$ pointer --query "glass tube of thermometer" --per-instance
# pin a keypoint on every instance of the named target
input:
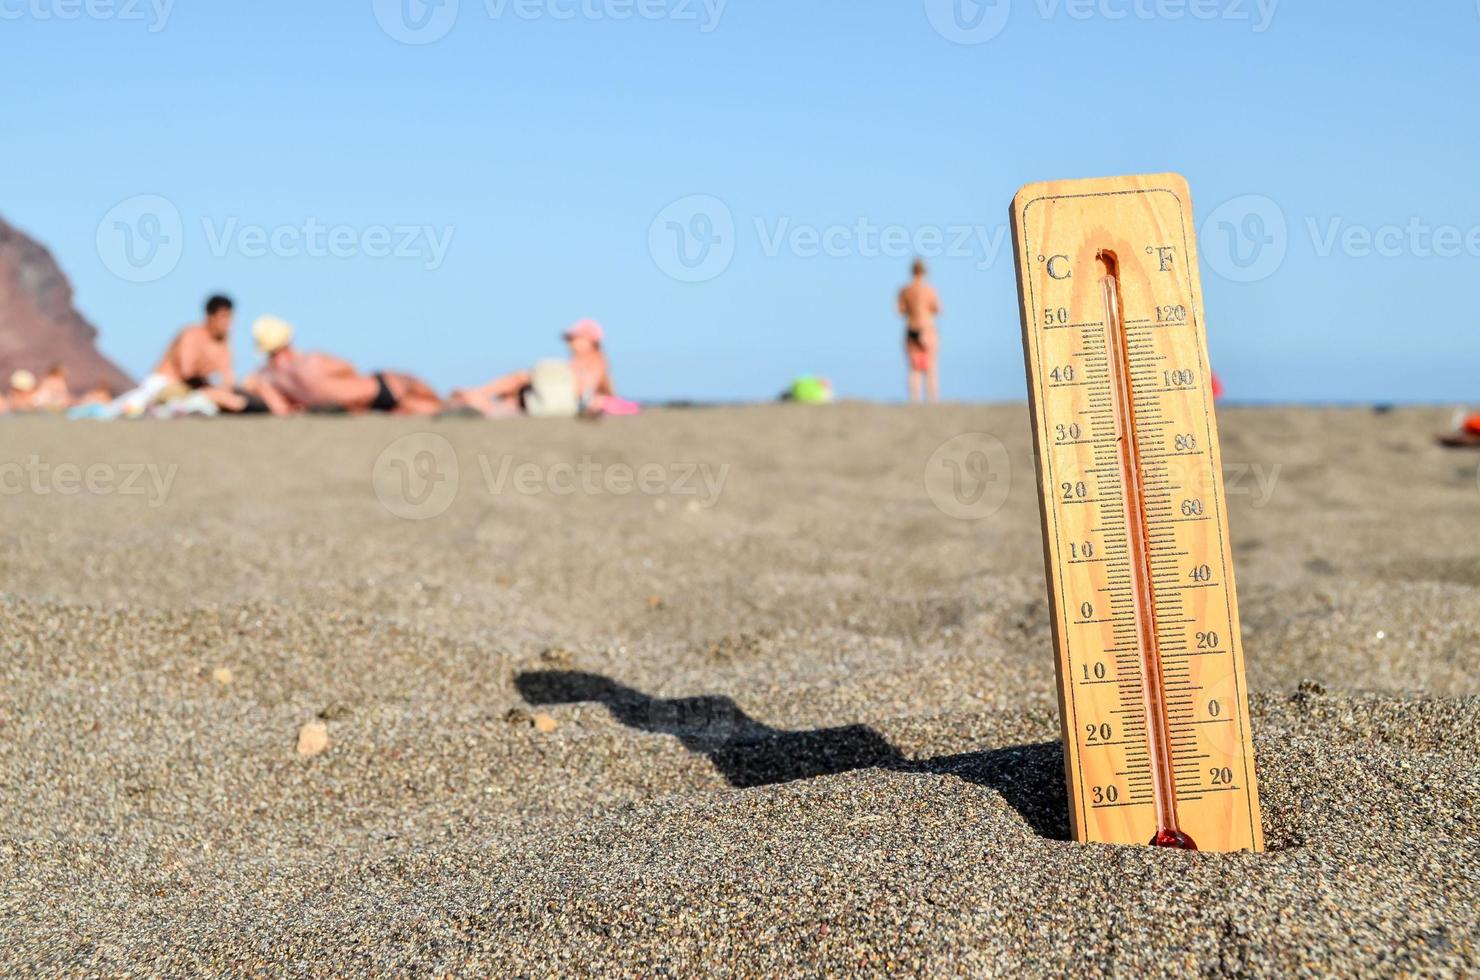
(1153, 691)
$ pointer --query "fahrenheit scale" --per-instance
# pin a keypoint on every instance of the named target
(1152, 695)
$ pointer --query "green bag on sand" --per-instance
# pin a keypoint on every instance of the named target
(811, 390)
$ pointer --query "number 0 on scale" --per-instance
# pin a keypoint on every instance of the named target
(1157, 745)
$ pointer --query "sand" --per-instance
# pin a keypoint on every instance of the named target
(800, 721)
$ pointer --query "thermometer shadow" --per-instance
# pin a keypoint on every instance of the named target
(750, 753)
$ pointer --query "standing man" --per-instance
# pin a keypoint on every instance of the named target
(919, 304)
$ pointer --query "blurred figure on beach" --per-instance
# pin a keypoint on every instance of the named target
(1466, 433)
(22, 394)
(919, 304)
(293, 381)
(581, 385)
(198, 360)
(52, 393)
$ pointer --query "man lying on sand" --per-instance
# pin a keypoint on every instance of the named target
(293, 381)
(197, 360)
(554, 389)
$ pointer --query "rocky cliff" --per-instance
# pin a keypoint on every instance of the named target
(38, 324)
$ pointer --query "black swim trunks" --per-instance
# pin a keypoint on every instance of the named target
(385, 400)
(255, 405)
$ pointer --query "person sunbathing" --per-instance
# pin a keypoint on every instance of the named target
(22, 391)
(52, 393)
(198, 360)
(580, 386)
(293, 381)
(1465, 436)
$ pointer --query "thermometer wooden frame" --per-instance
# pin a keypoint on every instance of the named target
(1152, 695)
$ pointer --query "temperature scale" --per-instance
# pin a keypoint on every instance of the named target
(1152, 695)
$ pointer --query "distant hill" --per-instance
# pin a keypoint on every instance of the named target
(39, 325)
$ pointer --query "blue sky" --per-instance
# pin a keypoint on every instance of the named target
(447, 207)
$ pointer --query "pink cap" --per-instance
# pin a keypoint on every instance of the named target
(586, 329)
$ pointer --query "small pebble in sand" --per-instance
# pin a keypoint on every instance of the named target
(222, 676)
(313, 739)
(555, 655)
(544, 723)
(655, 602)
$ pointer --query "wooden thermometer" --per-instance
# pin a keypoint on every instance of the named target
(1152, 695)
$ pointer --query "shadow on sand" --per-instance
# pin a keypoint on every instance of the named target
(749, 753)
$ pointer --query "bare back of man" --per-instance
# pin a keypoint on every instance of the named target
(199, 357)
(195, 358)
(919, 304)
(299, 381)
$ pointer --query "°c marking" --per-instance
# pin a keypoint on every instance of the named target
(1055, 270)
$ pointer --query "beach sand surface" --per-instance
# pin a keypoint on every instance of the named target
(762, 707)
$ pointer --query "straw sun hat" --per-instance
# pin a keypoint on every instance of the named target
(272, 334)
